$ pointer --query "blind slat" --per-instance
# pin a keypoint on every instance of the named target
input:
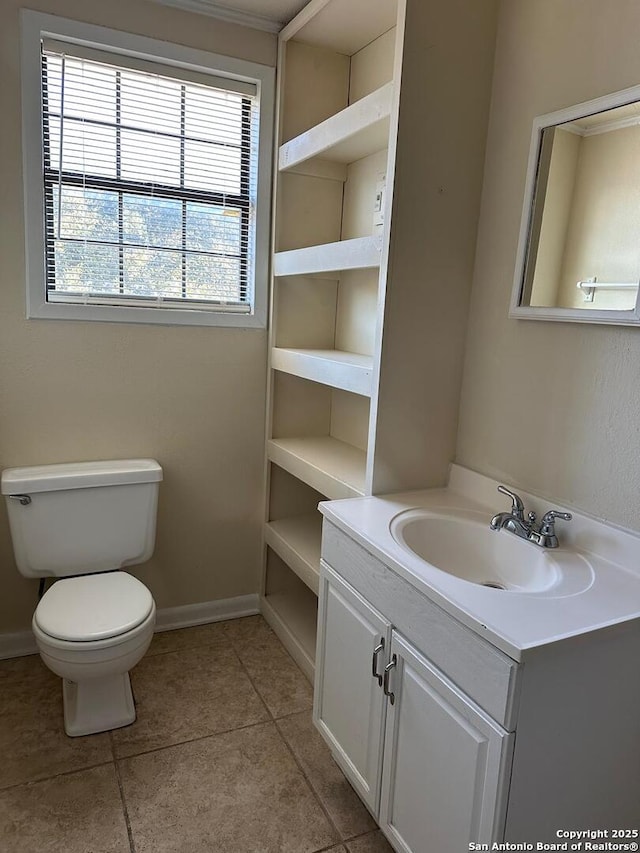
(55, 47)
(148, 184)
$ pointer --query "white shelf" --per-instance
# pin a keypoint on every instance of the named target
(297, 541)
(343, 27)
(293, 616)
(355, 132)
(359, 253)
(329, 466)
(346, 370)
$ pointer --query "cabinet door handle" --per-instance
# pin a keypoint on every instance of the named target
(374, 661)
(385, 687)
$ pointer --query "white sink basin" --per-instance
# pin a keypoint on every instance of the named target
(460, 543)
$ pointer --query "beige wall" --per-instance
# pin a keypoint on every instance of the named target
(191, 397)
(553, 407)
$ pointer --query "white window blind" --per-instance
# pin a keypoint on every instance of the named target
(149, 183)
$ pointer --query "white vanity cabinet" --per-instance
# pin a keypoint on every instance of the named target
(476, 746)
(426, 759)
(349, 705)
(444, 761)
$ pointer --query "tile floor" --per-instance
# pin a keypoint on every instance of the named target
(223, 758)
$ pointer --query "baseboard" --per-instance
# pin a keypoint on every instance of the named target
(23, 643)
(170, 618)
(17, 645)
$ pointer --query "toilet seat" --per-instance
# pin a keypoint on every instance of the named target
(93, 607)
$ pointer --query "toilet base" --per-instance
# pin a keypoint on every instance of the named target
(97, 704)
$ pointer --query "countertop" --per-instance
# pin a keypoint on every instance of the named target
(513, 622)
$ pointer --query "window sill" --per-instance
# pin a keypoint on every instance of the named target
(146, 316)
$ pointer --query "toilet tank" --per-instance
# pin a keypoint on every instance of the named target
(82, 517)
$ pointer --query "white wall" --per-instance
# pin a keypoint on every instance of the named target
(553, 407)
(191, 397)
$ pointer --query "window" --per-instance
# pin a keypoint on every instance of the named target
(152, 204)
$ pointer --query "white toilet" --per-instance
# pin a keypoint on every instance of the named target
(82, 522)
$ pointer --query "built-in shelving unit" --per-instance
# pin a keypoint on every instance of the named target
(367, 320)
(337, 114)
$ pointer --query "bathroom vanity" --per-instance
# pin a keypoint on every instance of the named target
(462, 713)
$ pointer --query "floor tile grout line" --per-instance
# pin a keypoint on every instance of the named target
(56, 775)
(220, 641)
(193, 740)
(293, 755)
(272, 718)
(224, 639)
(111, 746)
(117, 758)
(363, 835)
(298, 763)
(234, 651)
(234, 644)
(344, 841)
(306, 778)
(290, 714)
(338, 841)
(198, 645)
(251, 682)
(123, 800)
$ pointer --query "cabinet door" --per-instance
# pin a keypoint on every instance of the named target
(445, 762)
(349, 705)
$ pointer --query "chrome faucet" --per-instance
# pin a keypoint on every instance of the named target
(514, 521)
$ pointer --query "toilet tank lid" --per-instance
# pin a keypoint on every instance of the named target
(79, 475)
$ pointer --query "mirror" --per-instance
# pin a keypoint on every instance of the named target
(579, 250)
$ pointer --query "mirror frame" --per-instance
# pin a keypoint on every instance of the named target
(572, 315)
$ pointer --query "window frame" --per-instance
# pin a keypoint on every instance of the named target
(35, 27)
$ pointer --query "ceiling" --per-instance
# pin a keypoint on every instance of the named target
(270, 15)
(276, 10)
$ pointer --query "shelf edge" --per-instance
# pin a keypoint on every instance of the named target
(358, 253)
(355, 378)
(308, 573)
(319, 479)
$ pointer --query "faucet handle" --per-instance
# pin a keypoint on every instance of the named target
(547, 525)
(517, 507)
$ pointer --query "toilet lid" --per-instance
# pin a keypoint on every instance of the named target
(93, 607)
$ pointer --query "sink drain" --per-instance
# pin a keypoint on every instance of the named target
(493, 585)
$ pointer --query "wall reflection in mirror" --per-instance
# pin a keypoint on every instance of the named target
(580, 241)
